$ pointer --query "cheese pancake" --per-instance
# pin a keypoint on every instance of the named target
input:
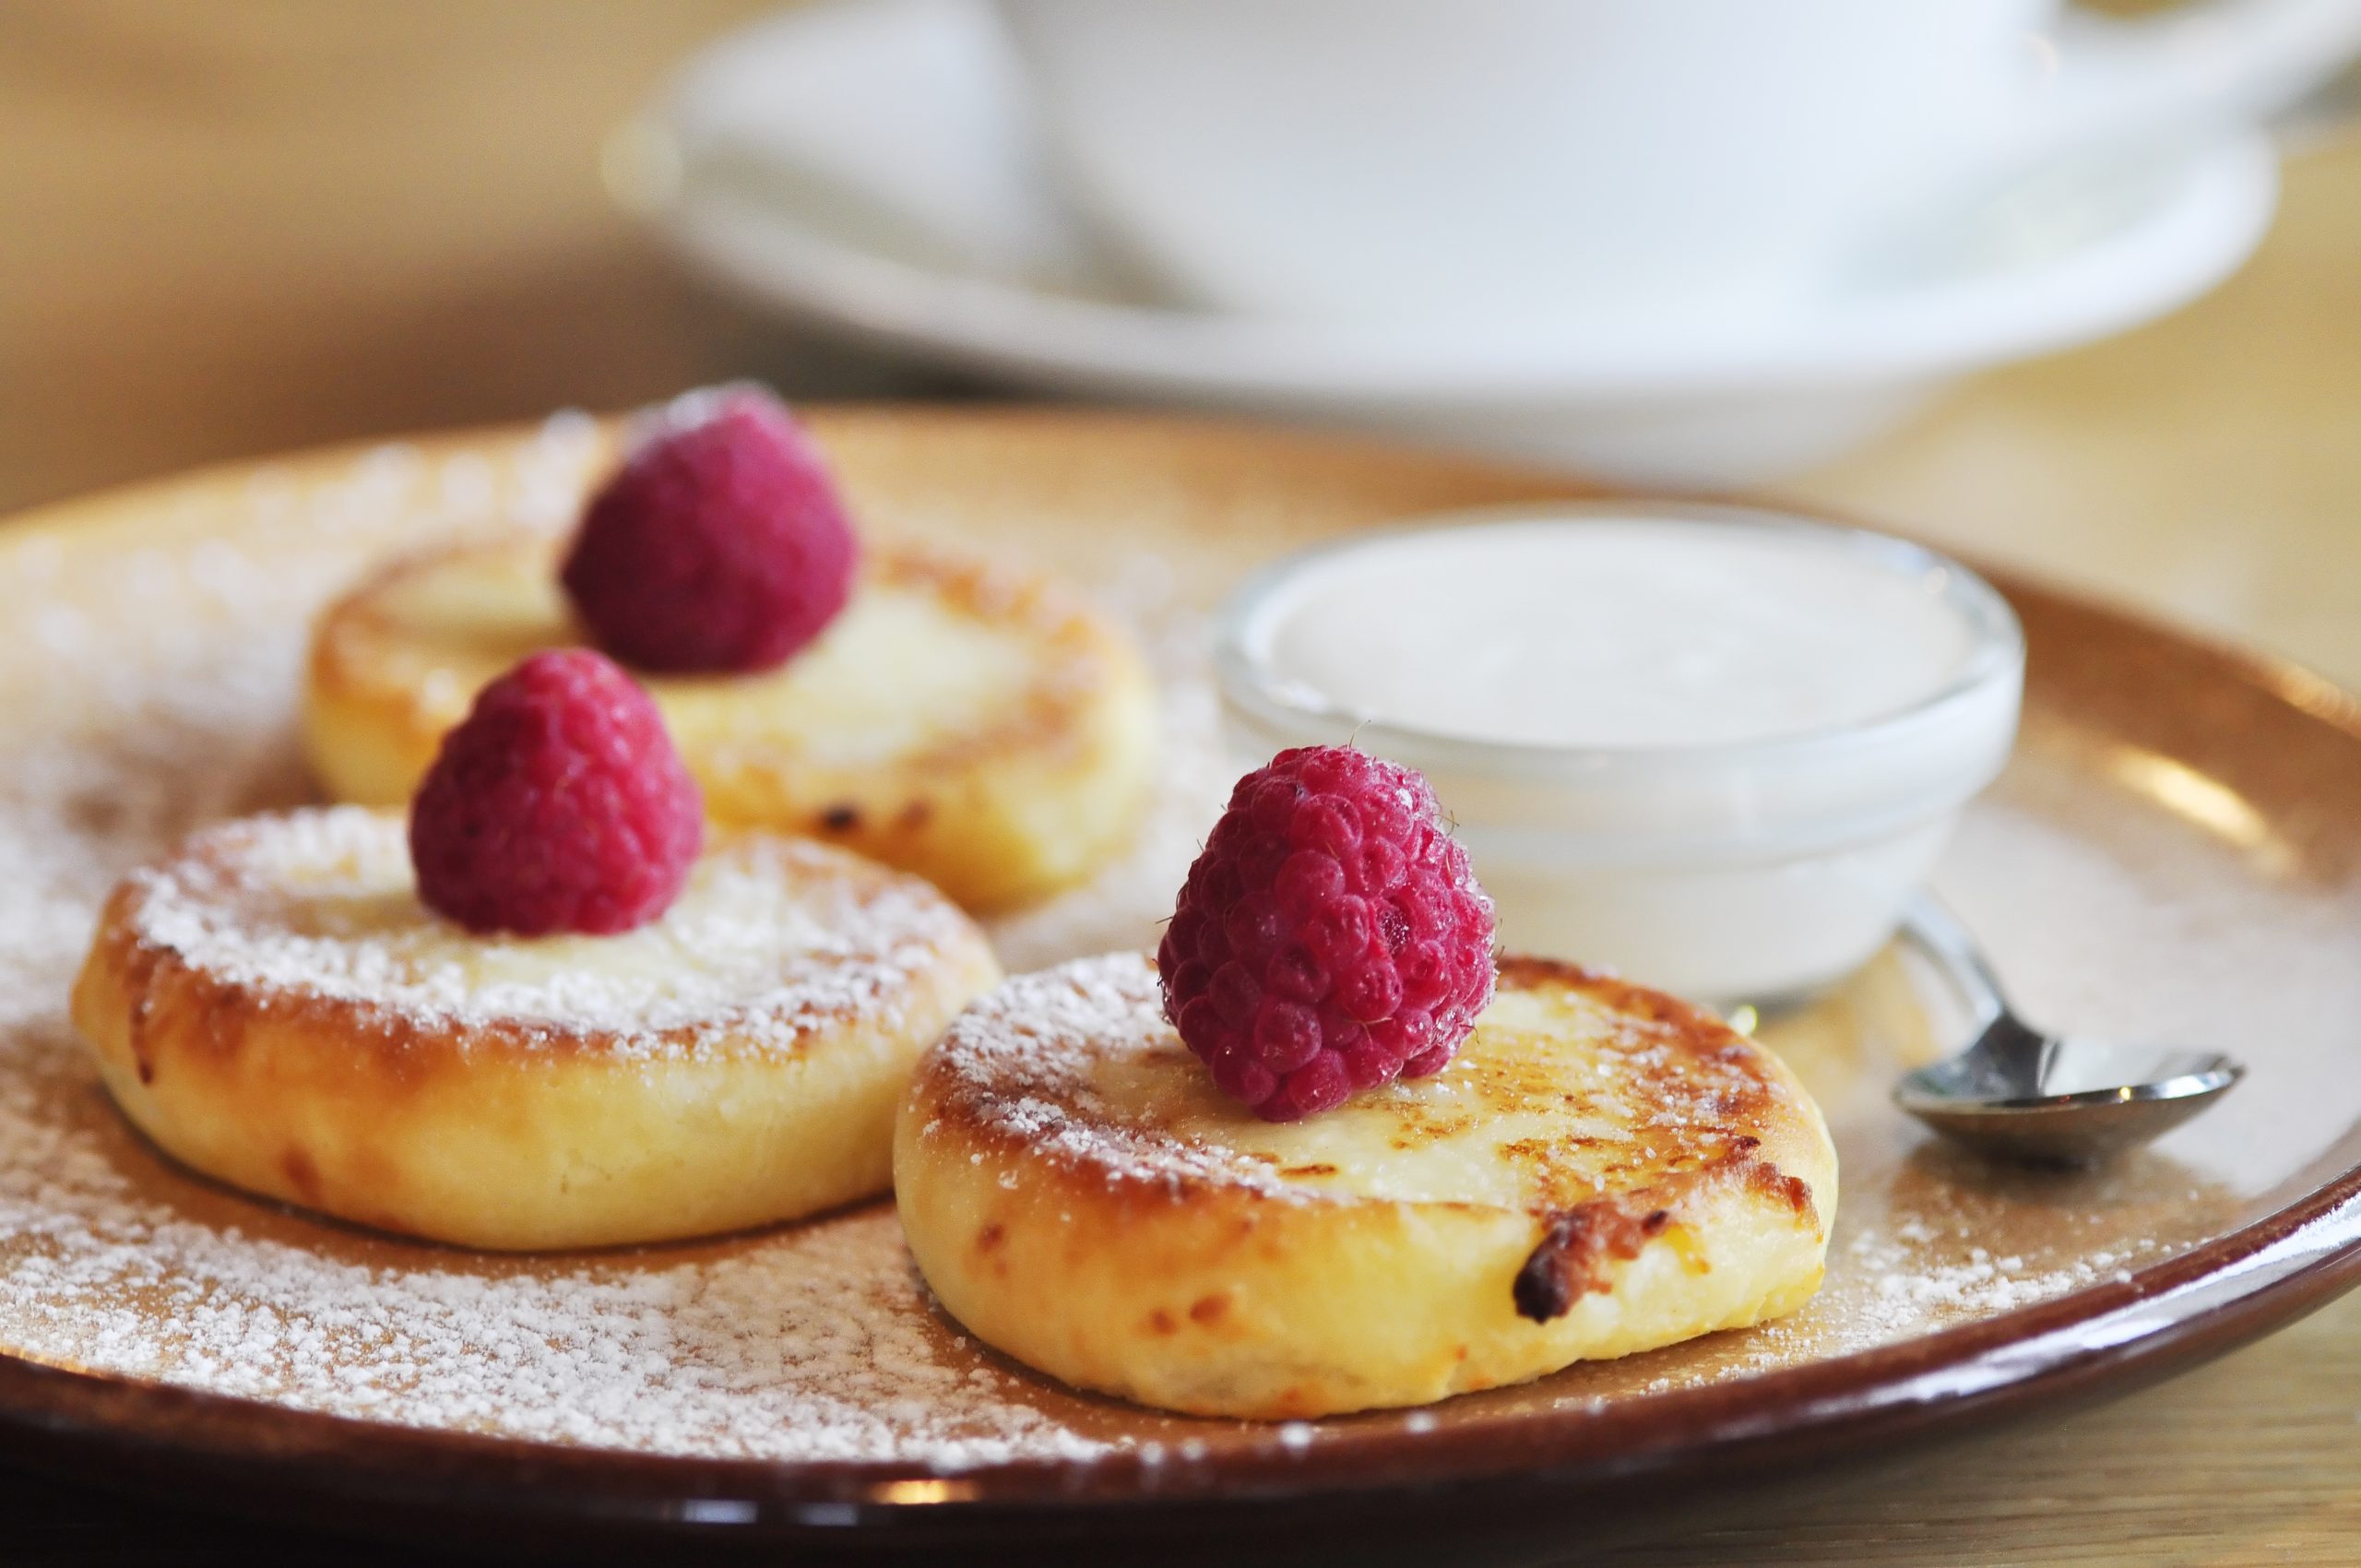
(1603, 1170)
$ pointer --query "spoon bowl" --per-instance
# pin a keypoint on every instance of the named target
(2057, 1099)
(2091, 1098)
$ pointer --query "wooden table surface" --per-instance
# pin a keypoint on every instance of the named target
(254, 224)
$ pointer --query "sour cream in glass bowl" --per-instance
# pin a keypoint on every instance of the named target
(1711, 748)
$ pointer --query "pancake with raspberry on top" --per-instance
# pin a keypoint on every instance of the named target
(947, 714)
(1324, 1153)
(549, 1010)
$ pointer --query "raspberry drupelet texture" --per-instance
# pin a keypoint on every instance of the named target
(720, 545)
(557, 806)
(1330, 937)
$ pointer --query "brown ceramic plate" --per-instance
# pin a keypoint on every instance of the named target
(2176, 852)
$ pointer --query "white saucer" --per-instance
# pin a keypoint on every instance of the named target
(866, 166)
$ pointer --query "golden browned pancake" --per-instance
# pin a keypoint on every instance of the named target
(1603, 1170)
(273, 1006)
(979, 727)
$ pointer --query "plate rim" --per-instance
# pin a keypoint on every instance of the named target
(2102, 1338)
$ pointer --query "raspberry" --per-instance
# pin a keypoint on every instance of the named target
(557, 804)
(1330, 937)
(720, 545)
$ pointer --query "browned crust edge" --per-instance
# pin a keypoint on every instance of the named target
(1579, 1246)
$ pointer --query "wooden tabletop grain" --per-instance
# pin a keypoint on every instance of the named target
(255, 224)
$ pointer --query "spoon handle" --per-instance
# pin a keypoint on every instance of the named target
(1929, 924)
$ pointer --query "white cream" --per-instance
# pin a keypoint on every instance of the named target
(1614, 634)
(1712, 749)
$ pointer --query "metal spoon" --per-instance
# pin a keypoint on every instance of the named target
(2020, 1092)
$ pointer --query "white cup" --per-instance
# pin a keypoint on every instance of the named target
(1367, 158)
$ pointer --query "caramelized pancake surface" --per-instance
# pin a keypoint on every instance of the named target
(273, 1006)
(979, 727)
(1602, 1170)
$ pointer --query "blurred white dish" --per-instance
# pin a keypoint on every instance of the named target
(869, 168)
(1577, 160)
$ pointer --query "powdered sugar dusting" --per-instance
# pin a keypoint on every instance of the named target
(1021, 1062)
(1910, 1282)
(771, 939)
